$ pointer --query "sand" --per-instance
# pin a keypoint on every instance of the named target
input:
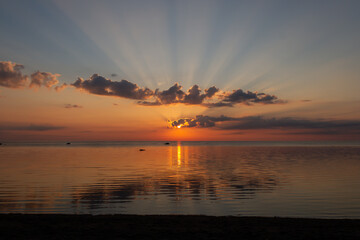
(50, 226)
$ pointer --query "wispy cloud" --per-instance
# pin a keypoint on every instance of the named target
(72, 106)
(30, 127)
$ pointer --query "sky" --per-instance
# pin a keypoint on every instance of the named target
(179, 70)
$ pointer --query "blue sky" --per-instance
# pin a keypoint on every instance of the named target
(255, 45)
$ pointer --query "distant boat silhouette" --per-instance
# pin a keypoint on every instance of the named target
(167, 143)
(141, 149)
(68, 143)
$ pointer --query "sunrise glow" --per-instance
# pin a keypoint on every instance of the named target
(137, 74)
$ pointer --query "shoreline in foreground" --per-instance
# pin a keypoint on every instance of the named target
(61, 226)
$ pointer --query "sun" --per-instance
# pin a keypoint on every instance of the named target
(179, 126)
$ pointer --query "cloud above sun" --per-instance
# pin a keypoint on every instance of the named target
(12, 77)
(211, 97)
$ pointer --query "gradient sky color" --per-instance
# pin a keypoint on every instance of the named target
(306, 53)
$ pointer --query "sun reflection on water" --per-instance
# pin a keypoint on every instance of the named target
(179, 154)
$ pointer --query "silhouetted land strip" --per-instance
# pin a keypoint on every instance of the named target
(48, 226)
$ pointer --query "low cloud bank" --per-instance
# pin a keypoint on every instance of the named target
(30, 127)
(320, 126)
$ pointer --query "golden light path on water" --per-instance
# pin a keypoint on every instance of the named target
(179, 154)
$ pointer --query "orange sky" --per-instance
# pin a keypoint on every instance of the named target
(116, 119)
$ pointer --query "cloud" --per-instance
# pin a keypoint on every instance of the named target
(72, 106)
(218, 104)
(248, 97)
(30, 127)
(147, 103)
(114, 75)
(11, 76)
(99, 85)
(259, 122)
(45, 79)
(175, 94)
(61, 87)
(319, 126)
(199, 121)
(194, 96)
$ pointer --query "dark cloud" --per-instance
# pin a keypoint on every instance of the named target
(72, 106)
(248, 97)
(45, 79)
(258, 122)
(30, 127)
(11, 76)
(194, 96)
(173, 95)
(218, 104)
(239, 95)
(114, 75)
(101, 86)
(210, 92)
(200, 121)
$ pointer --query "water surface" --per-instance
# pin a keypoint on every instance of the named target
(212, 178)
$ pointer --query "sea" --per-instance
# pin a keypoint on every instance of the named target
(274, 179)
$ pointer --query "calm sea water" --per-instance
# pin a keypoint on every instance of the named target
(213, 178)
